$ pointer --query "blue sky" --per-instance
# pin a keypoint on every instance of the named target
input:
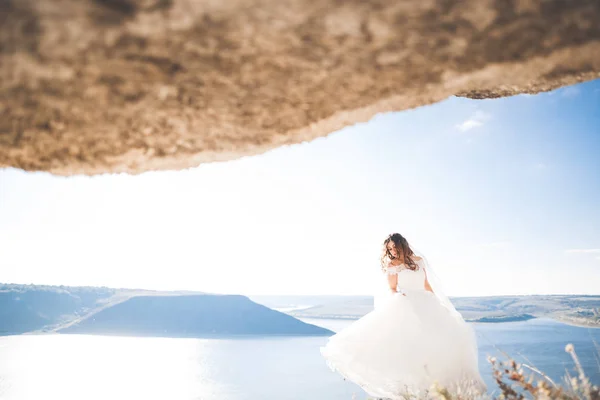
(502, 196)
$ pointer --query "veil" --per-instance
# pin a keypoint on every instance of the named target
(436, 285)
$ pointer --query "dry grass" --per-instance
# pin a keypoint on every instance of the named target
(517, 381)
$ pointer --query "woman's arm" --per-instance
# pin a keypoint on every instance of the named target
(393, 282)
(427, 285)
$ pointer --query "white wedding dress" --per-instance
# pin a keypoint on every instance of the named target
(407, 344)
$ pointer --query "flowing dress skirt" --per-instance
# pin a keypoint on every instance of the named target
(404, 347)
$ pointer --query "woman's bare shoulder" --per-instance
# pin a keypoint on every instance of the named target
(417, 258)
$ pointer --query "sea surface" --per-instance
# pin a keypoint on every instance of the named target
(76, 367)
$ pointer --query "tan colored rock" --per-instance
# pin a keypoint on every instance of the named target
(91, 86)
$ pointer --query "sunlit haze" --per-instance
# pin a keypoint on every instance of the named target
(502, 196)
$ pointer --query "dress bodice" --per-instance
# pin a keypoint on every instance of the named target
(407, 278)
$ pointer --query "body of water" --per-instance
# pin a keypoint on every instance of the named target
(75, 367)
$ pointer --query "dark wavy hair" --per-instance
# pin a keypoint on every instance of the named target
(401, 244)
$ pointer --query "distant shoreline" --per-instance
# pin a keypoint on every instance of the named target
(483, 320)
(250, 336)
(567, 321)
(44, 309)
(503, 318)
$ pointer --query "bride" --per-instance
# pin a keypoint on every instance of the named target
(414, 339)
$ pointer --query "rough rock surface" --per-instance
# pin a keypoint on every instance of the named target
(91, 86)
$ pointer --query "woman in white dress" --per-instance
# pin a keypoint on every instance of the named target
(413, 341)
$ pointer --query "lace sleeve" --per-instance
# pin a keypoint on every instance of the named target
(391, 271)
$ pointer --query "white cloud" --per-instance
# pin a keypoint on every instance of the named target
(475, 121)
(583, 251)
(468, 125)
